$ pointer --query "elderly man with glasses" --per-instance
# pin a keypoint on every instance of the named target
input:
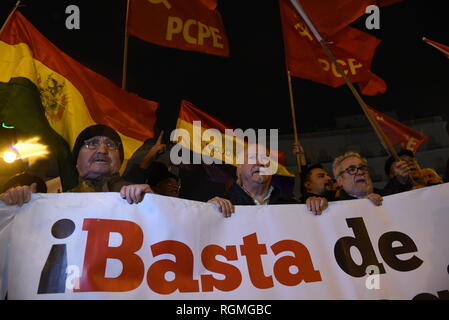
(98, 155)
(352, 174)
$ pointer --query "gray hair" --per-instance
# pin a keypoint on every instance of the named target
(338, 160)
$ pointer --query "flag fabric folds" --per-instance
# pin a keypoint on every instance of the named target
(20, 104)
(353, 49)
(72, 96)
(398, 133)
(188, 25)
(331, 16)
(189, 113)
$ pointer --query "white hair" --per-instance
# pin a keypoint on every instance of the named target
(338, 160)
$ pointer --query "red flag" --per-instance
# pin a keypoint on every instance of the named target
(331, 16)
(440, 47)
(306, 59)
(398, 133)
(188, 25)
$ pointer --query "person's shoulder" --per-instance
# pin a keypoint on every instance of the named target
(238, 196)
(393, 186)
(344, 196)
(116, 184)
(279, 196)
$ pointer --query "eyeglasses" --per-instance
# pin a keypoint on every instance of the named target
(95, 144)
(352, 170)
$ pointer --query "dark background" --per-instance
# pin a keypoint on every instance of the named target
(249, 89)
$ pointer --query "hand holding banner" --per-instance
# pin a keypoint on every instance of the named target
(262, 252)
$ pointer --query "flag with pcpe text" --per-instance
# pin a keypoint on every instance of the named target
(353, 49)
(46, 93)
(193, 25)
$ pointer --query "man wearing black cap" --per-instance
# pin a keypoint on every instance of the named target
(401, 173)
(98, 155)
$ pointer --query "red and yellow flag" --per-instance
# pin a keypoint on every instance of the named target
(306, 59)
(398, 133)
(73, 96)
(188, 25)
(202, 144)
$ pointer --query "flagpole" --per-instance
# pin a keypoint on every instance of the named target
(125, 49)
(384, 139)
(436, 47)
(292, 108)
(9, 16)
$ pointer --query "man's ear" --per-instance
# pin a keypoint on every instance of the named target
(340, 181)
(307, 185)
(237, 173)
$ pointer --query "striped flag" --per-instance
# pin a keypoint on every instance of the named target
(46, 93)
(195, 122)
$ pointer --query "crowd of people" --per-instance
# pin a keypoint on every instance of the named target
(98, 156)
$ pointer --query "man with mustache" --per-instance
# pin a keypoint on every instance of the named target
(317, 182)
(253, 185)
(351, 172)
(98, 155)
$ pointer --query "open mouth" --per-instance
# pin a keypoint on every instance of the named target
(100, 160)
(361, 180)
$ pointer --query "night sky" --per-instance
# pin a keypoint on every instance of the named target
(249, 89)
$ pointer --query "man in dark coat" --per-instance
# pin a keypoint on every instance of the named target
(352, 174)
(253, 185)
(317, 182)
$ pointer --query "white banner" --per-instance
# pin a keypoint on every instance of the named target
(97, 246)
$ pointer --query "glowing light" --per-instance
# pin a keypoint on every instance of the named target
(9, 156)
(7, 127)
(29, 150)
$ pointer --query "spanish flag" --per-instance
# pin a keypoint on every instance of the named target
(222, 147)
(45, 93)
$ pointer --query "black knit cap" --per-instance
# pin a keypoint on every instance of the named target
(94, 131)
(391, 160)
